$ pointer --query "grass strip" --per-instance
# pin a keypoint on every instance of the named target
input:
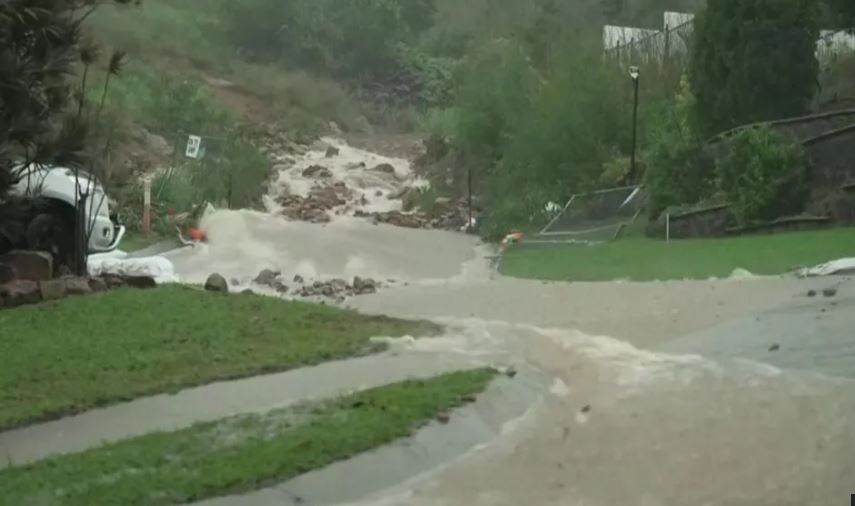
(241, 453)
(79, 353)
(642, 259)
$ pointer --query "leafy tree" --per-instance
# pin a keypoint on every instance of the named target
(762, 175)
(753, 60)
(40, 45)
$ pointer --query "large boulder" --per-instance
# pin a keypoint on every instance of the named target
(411, 198)
(317, 171)
(77, 286)
(267, 277)
(29, 265)
(7, 274)
(216, 283)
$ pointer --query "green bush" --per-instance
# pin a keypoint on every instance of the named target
(762, 176)
(678, 170)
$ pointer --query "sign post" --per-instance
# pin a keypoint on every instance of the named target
(194, 147)
(146, 218)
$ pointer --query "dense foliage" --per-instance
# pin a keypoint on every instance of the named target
(753, 60)
(762, 175)
(40, 105)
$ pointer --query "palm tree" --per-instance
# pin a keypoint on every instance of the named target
(40, 47)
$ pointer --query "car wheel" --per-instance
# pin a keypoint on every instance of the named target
(53, 234)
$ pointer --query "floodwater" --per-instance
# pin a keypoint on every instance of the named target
(731, 392)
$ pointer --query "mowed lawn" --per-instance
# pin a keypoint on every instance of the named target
(643, 259)
(65, 357)
(241, 453)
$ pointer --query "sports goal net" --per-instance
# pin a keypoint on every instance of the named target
(592, 218)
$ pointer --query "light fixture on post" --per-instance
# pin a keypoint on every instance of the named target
(634, 73)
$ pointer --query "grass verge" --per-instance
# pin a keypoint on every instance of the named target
(238, 454)
(641, 259)
(65, 357)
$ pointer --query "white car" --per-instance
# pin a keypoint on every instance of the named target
(55, 191)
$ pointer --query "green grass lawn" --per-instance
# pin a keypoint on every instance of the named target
(238, 454)
(68, 356)
(642, 259)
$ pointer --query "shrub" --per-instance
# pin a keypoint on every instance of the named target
(678, 171)
(762, 175)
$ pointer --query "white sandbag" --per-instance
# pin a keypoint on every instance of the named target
(158, 268)
(839, 267)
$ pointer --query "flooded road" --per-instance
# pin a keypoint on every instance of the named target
(730, 392)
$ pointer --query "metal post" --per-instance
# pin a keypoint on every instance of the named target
(469, 187)
(146, 218)
(667, 56)
(632, 167)
(667, 227)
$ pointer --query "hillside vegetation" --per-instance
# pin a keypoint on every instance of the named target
(514, 93)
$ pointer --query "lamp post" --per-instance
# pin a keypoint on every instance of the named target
(634, 74)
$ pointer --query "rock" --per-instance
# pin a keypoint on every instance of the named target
(247, 292)
(378, 193)
(317, 171)
(7, 274)
(355, 165)
(775, 347)
(98, 285)
(441, 207)
(411, 198)
(386, 168)
(281, 167)
(332, 151)
(297, 149)
(29, 265)
(443, 417)
(586, 409)
(299, 279)
(280, 287)
(19, 293)
(156, 144)
(364, 286)
(267, 277)
(829, 292)
(140, 282)
(53, 289)
(216, 283)
(811, 293)
(77, 286)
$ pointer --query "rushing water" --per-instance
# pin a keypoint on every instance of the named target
(706, 393)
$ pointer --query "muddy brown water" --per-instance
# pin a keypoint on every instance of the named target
(679, 405)
(729, 392)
